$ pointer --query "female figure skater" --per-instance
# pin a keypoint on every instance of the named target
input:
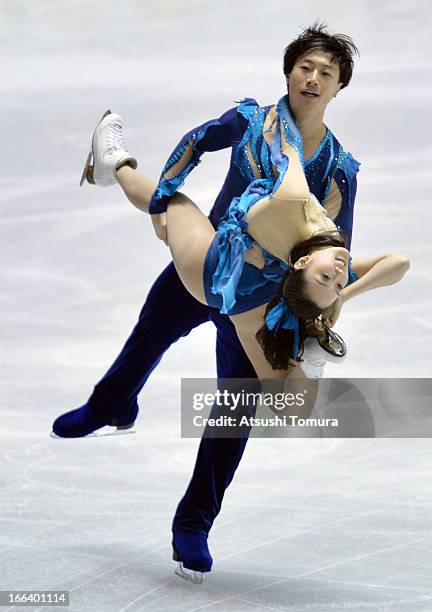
(275, 262)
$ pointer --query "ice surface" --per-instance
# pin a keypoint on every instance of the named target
(308, 524)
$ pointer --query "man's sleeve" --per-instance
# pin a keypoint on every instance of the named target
(345, 178)
(213, 135)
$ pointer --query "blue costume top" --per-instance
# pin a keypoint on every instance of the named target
(235, 128)
(231, 284)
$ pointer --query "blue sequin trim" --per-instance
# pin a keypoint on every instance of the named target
(167, 187)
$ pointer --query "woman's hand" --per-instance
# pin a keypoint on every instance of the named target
(331, 315)
(160, 226)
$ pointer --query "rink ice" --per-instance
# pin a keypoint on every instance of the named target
(308, 525)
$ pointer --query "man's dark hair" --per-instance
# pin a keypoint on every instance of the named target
(340, 46)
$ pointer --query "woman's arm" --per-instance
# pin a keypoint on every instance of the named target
(372, 272)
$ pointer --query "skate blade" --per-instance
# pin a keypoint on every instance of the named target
(87, 174)
(101, 433)
(189, 575)
(334, 348)
(111, 431)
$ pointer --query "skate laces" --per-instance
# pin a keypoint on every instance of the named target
(114, 138)
(315, 362)
(313, 354)
(314, 366)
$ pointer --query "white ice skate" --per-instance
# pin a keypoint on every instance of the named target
(108, 152)
(318, 351)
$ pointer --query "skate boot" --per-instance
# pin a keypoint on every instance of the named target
(191, 551)
(318, 351)
(108, 152)
(85, 421)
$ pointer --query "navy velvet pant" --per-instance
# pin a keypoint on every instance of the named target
(172, 311)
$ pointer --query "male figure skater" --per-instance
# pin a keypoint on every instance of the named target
(317, 66)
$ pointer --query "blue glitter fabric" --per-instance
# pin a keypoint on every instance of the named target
(232, 278)
(231, 284)
(169, 185)
(329, 161)
(233, 241)
(232, 238)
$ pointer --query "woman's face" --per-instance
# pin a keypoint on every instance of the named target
(325, 273)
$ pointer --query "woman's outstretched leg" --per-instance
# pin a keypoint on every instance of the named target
(189, 231)
(137, 188)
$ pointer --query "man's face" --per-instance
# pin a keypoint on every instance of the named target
(313, 81)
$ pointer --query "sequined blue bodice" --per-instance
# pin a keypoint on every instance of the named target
(255, 153)
(250, 178)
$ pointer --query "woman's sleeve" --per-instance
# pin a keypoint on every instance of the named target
(213, 135)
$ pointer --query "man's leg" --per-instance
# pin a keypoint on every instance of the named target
(169, 313)
(216, 462)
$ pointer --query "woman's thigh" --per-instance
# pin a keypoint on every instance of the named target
(189, 234)
(247, 324)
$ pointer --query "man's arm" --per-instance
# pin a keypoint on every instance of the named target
(213, 135)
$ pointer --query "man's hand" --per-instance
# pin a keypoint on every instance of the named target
(160, 226)
(331, 315)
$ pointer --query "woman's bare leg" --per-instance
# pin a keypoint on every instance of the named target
(189, 231)
(247, 324)
(137, 188)
(190, 234)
